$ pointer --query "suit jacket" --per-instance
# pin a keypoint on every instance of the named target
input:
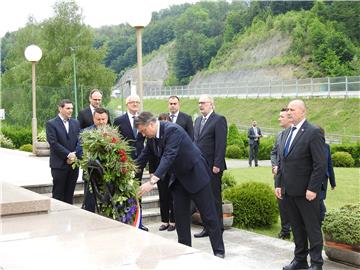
(61, 142)
(251, 135)
(212, 140)
(305, 165)
(85, 118)
(186, 123)
(125, 129)
(178, 155)
(330, 175)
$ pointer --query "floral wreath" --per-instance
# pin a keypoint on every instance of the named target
(104, 144)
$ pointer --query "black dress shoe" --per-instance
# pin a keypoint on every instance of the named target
(171, 228)
(142, 227)
(284, 236)
(163, 227)
(203, 233)
(315, 267)
(220, 255)
(296, 265)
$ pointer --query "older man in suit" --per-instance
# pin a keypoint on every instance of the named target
(85, 116)
(178, 155)
(128, 130)
(62, 133)
(210, 133)
(301, 169)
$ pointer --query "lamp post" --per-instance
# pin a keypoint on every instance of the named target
(33, 54)
(139, 21)
(75, 88)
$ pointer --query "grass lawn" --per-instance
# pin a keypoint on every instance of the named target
(347, 188)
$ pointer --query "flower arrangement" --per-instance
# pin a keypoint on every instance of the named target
(113, 152)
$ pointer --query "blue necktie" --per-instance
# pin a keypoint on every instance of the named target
(287, 144)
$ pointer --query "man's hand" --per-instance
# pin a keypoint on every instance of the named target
(145, 188)
(215, 169)
(274, 170)
(278, 193)
(310, 195)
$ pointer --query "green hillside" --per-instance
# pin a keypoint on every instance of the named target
(337, 116)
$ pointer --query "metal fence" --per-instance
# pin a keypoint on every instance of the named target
(348, 86)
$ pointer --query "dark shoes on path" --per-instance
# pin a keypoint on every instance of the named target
(294, 265)
(284, 236)
(167, 227)
(201, 234)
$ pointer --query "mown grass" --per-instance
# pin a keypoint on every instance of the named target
(336, 116)
(347, 189)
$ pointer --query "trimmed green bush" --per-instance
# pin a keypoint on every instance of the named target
(233, 151)
(26, 148)
(6, 142)
(265, 147)
(227, 181)
(19, 136)
(352, 148)
(343, 225)
(233, 136)
(254, 205)
(342, 159)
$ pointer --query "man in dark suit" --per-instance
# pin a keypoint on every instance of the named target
(254, 135)
(85, 116)
(62, 133)
(210, 133)
(100, 118)
(180, 118)
(86, 119)
(285, 121)
(301, 169)
(329, 177)
(178, 155)
(127, 129)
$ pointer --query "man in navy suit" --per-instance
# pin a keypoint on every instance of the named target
(85, 116)
(127, 129)
(192, 181)
(180, 118)
(210, 133)
(254, 135)
(301, 170)
(62, 133)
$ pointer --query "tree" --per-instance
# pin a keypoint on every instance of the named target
(55, 36)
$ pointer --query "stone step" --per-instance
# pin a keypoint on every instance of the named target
(47, 188)
(151, 215)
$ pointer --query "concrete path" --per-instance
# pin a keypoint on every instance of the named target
(244, 250)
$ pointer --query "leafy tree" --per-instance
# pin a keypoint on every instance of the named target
(55, 36)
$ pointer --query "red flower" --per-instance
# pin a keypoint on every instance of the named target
(114, 140)
(122, 154)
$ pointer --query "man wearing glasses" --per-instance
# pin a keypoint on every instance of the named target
(128, 130)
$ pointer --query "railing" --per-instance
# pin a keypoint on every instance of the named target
(348, 86)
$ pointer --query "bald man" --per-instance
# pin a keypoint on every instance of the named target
(301, 168)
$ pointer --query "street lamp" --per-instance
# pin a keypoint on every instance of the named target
(73, 53)
(33, 54)
(139, 21)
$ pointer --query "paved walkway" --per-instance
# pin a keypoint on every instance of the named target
(244, 250)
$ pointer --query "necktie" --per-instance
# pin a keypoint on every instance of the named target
(202, 124)
(134, 128)
(172, 116)
(66, 124)
(287, 144)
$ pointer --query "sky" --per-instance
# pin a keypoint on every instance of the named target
(14, 13)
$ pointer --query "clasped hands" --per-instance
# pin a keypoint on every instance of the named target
(310, 195)
(71, 158)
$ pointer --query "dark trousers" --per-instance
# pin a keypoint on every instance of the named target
(205, 203)
(305, 224)
(166, 200)
(284, 219)
(64, 182)
(322, 210)
(253, 152)
(89, 198)
(216, 189)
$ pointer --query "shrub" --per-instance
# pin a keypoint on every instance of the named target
(233, 137)
(26, 148)
(254, 204)
(227, 181)
(19, 136)
(265, 147)
(343, 225)
(41, 137)
(342, 159)
(233, 151)
(6, 142)
(352, 148)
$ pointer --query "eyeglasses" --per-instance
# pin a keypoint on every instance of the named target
(203, 102)
(172, 103)
(134, 102)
